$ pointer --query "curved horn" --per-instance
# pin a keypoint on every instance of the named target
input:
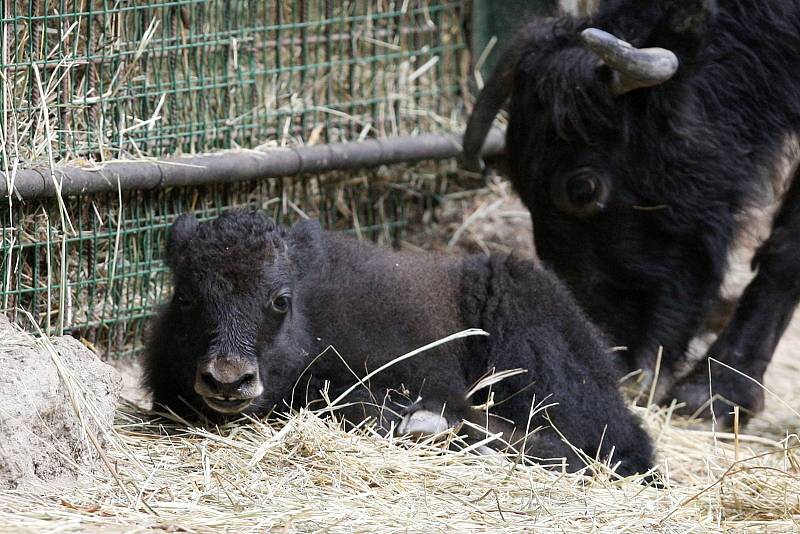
(487, 106)
(634, 68)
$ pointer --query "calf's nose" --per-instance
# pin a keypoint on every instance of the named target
(228, 379)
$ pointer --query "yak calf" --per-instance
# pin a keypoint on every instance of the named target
(256, 307)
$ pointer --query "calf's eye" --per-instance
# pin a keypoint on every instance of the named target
(280, 304)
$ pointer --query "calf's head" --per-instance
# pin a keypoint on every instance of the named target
(238, 331)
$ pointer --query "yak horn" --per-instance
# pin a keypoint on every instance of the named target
(634, 68)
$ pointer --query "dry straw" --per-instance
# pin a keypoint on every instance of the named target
(101, 82)
(307, 474)
(304, 473)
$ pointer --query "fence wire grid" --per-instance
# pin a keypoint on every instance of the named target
(92, 81)
(98, 80)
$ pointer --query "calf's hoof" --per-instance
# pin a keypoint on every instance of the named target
(426, 423)
(728, 389)
(422, 423)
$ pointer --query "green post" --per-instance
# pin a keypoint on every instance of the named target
(492, 18)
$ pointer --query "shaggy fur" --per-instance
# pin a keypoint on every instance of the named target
(679, 163)
(372, 305)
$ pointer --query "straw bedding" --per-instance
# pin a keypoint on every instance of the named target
(304, 473)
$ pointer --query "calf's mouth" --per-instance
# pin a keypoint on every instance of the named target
(227, 405)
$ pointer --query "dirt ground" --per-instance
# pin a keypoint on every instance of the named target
(496, 222)
(44, 423)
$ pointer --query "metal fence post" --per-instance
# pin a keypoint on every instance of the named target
(501, 19)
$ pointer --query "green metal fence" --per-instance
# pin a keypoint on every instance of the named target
(103, 277)
(133, 77)
(92, 80)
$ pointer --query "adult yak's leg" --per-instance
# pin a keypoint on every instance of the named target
(764, 310)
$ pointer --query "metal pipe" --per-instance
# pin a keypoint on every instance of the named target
(241, 165)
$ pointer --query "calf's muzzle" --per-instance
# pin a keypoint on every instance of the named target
(228, 385)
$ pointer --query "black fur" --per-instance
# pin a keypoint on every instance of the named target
(679, 162)
(373, 305)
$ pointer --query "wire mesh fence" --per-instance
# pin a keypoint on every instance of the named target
(103, 277)
(100, 81)
(89, 81)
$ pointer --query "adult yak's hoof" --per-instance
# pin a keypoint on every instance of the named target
(728, 389)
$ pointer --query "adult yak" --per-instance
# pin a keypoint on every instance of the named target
(640, 139)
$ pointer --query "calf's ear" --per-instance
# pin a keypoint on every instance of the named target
(304, 242)
(180, 233)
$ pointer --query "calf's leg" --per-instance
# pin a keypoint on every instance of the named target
(476, 426)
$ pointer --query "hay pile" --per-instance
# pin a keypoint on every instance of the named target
(307, 474)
